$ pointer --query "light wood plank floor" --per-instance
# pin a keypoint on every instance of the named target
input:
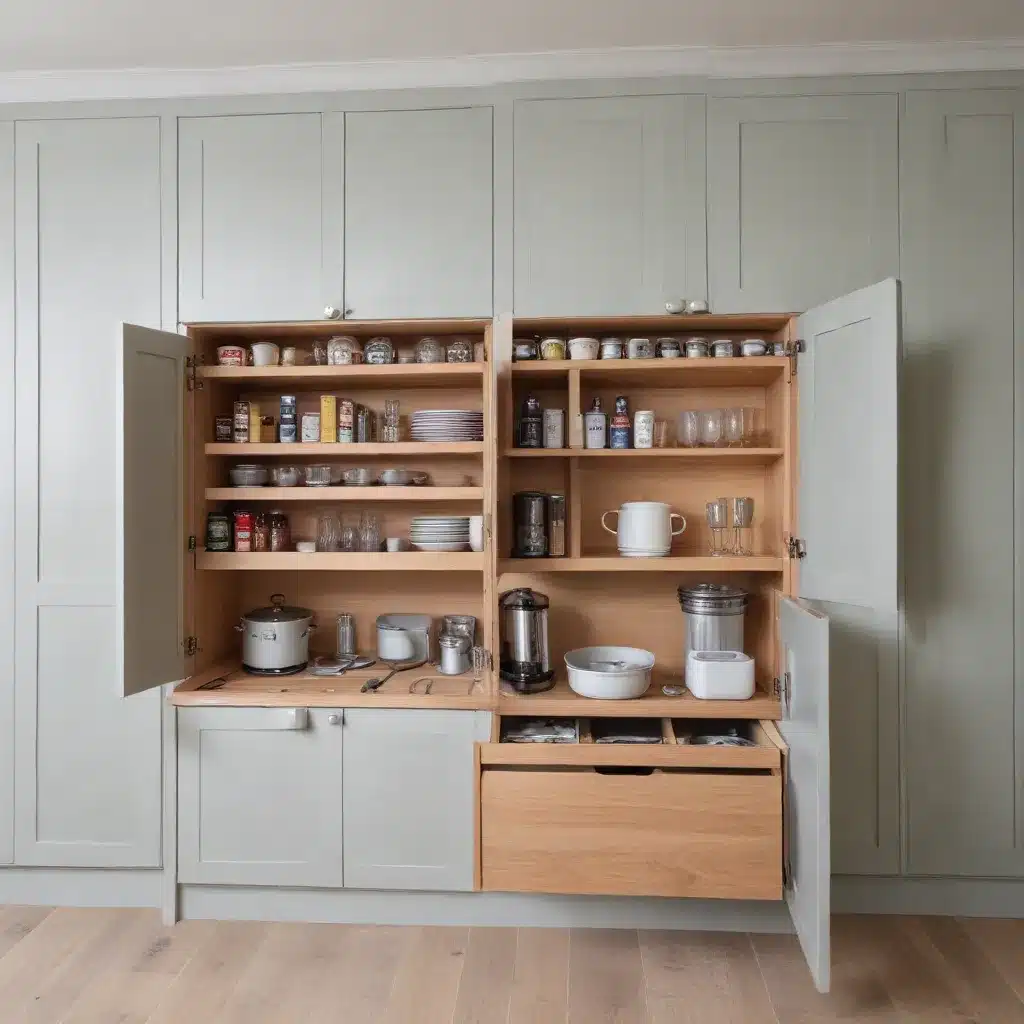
(122, 967)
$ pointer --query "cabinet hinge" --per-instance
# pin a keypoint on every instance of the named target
(191, 646)
(192, 382)
(796, 548)
(191, 542)
(487, 525)
(780, 687)
(793, 350)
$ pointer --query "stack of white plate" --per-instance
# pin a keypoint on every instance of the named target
(447, 425)
(440, 533)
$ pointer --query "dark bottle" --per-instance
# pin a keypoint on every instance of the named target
(531, 425)
(618, 428)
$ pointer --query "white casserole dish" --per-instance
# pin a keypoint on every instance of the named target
(609, 673)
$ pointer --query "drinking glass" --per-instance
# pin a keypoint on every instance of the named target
(369, 532)
(732, 424)
(328, 531)
(349, 538)
(741, 516)
(689, 428)
(718, 523)
(752, 432)
(390, 430)
(662, 436)
(711, 428)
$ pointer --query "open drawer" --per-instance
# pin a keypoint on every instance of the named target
(659, 820)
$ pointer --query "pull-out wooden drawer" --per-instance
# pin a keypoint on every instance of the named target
(707, 828)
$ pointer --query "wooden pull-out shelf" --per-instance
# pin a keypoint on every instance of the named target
(684, 820)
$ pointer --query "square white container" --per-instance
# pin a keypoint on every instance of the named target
(720, 675)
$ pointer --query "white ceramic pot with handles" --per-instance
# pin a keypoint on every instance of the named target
(644, 528)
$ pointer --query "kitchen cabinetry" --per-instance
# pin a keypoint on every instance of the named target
(418, 213)
(409, 798)
(963, 223)
(609, 205)
(88, 254)
(7, 503)
(260, 796)
(260, 218)
(803, 198)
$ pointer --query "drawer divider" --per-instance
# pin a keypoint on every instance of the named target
(668, 733)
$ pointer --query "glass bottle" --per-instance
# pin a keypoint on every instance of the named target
(531, 424)
(595, 426)
(619, 431)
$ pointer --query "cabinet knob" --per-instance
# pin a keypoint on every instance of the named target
(332, 313)
(335, 719)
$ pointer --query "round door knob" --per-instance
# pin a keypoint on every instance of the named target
(334, 719)
(332, 313)
(675, 305)
(349, 312)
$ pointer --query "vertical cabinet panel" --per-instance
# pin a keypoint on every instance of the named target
(609, 205)
(409, 795)
(260, 796)
(88, 254)
(803, 199)
(418, 213)
(259, 228)
(963, 224)
(7, 499)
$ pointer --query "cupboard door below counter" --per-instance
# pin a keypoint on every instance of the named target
(259, 796)
(409, 798)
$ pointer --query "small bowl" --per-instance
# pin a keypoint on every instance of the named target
(753, 347)
(248, 476)
(419, 479)
(265, 353)
(584, 348)
(609, 673)
(305, 547)
(395, 543)
(318, 476)
(230, 355)
(395, 478)
(286, 476)
(360, 477)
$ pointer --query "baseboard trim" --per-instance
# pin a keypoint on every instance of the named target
(80, 887)
(349, 906)
(956, 897)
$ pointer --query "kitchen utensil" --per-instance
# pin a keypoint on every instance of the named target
(416, 626)
(525, 660)
(454, 654)
(346, 627)
(584, 348)
(753, 433)
(481, 659)
(318, 475)
(688, 428)
(446, 425)
(372, 685)
(369, 532)
(248, 476)
(644, 528)
(741, 517)
(394, 643)
(439, 533)
(718, 522)
(529, 517)
(349, 537)
(720, 675)
(711, 428)
(609, 673)
(286, 476)
(275, 639)
(476, 533)
(714, 614)
(265, 353)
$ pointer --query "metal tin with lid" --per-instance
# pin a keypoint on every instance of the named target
(714, 615)
(275, 639)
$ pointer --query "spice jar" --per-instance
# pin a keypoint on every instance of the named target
(261, 532)
(243, 530)
(531, 425)
(640, 348)
(460, 350)
(556, 525)
(524, 349)
(280, 532)
(618, 428)
(429, 350)
(696, 348)
(218, 532)
(552, 348)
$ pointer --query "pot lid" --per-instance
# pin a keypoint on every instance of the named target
(278, 611)
(712, 597)
(523, 597)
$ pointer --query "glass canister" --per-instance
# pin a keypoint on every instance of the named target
(280, 532)
(429, 350)
(342, 351)
(525, 349)
(531, 424)
(556, 525)
(328, 531)
(697, 348)
(218, 532)
(261, 532)
(346, 634)
(460, 350)
(379, 352)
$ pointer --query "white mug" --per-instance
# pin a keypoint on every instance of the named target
(476, 533)
(644, 528)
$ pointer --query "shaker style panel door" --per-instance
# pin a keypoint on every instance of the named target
(259, 216)
(7, 499)
(609, 205)
(88, 253)
(409, 798)
(963, 224)
(259, 796)
(419, 201)
(803, 199)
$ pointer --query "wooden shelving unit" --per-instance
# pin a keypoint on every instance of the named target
(396, 375)
(312, 452)
(706, 456)
(414, 495)
(383, 561)
(616, 563)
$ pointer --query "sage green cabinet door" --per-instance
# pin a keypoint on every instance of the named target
(259, 216)
(7, 501)
(609, 205)
(963, 230)
(803, 199)
(259, 796)
(419, 202)
(409, 798)
(88, 255)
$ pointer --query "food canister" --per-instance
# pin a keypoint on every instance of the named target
(328, 418)
(611, 348)
(753, 347)
(723, 349)
(668, 348)
(554, 428)
(643, 429)
(218, 532)
(697, 348)
(454, 655)
(310, 427)
(525, 349)
(552, 348)
(230, 355)
(714, 617)
(243, 530)
(640, 348)
(346, 421)
(240, 432)
(223, 429)
(255, 421)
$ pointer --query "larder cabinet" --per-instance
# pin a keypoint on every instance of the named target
(88, 253)
(609, 205)
(7, 502)
(963, 223)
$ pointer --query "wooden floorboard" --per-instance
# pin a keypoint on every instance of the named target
(76, 966)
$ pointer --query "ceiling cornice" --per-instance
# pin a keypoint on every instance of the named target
(497, 69)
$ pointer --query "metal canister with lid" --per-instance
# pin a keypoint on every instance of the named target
(714, 617)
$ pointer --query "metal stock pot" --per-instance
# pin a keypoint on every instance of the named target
(275, 640)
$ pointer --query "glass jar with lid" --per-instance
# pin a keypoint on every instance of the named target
(379, 351)
(460, 350)
(429, 350)
(280, 532)
(343, 351)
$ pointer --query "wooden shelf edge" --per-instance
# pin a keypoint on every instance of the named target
(539, 367)
(384, 561)
(613, 563)
(362, 372)
(334, 450)
(363, 494)
(757, 456)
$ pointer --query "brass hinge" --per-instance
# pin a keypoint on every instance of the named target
(780, 687)
(191, 542)
(191, 646)
(793, 350)
(192, 383)
(796, 548)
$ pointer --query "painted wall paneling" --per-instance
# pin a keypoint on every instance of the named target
(609, 204)
(88, 254)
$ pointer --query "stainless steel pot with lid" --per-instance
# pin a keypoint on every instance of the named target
(714, 617)
(275, 639)
(525, 660)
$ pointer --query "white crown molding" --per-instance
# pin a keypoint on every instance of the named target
(504, 68)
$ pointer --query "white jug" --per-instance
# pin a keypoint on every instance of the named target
(644, 528)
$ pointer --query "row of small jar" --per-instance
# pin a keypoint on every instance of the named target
(344, 350)
(526, 349)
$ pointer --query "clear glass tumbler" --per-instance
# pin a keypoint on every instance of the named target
(732, 425)
(711, 428)
(688, 428)
(369, 532)
(718, 526)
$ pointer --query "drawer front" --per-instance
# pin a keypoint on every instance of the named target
(696, 834)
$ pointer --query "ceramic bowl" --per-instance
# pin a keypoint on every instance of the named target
(265, 353)
(230, 355)
(584, 348)
(395, 477)
(609, 673)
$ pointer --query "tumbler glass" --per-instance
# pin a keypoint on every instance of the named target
(711, 428)
(689, 428)
(732, 426)
(369, 532)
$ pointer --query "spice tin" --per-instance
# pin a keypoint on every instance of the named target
(310, 427)
(243, 530)
(287, 432)
(230, 355)
(723, 349)
(218, 532)
(531, 424)
(254, 423)
(524, 349)
(643, 429)
(223, 429)
(346, 421)
(697, 348)
(618, 428)
(240, 432)
(668, 348)
(552, 348)
(611, 348)
(328, 418)
(595, 425)
(641, 348)
(268, 429)
(554, 428)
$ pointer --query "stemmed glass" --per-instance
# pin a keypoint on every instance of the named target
(718, 522)
(711, 428)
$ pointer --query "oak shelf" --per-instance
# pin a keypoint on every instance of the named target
(700, 456)
(409, 375)
(616, 563)
(334, 450)
(739, 371)
(331, 494)
(384, 561)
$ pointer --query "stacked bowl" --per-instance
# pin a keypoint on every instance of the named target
(447, 425)
(440, 533)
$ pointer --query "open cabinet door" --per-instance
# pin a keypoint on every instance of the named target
(847, 504)
(151, 507)
(805, 728)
